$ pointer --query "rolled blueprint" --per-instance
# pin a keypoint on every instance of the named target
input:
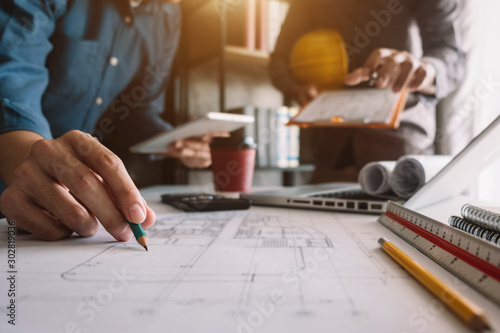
(374, 178)
(413, 171)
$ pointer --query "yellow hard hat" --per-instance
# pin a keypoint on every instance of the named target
(320, 58)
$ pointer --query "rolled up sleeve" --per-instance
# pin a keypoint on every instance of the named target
(25, 30)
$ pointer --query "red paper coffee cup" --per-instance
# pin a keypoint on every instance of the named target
(233, 163)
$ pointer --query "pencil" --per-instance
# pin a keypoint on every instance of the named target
(469, 312)
(139, 234)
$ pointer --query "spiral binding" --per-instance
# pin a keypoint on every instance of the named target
(481, 217)
(473, 229)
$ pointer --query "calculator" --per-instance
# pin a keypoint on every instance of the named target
(204, 202)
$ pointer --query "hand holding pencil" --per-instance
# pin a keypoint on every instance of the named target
(139, 234)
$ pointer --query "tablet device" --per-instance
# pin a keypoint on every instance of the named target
(210, 123)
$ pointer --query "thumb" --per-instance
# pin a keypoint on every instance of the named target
(357, 76)
(312, 92)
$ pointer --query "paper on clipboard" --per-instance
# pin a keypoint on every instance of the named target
(376, 108)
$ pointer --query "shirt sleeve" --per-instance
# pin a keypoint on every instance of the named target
(25, 29)
(297, 23)
(141, 120)
(441, 42)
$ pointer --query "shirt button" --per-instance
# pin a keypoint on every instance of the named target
(113, 61)
(99, 100)
(128, 19)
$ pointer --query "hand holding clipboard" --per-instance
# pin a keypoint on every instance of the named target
(374, 108)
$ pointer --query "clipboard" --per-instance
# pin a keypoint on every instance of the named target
(353, 108)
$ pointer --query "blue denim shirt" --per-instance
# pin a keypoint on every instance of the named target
(64, 62)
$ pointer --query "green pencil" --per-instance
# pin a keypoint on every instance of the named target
(139, 234)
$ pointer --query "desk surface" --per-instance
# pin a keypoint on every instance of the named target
(262, 270)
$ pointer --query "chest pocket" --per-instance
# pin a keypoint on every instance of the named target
(73, 66)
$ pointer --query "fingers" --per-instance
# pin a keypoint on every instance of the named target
(304, 94)
(55, 160)
(61, 204)
(194, 145)
(358, 76)
(190, 149)
(209, 137)
(83, 184)
(195, 159)
(395, 69)
(311, 93)
(387, 74)
(111, 169)
(363, 74)
(31, 218)
(150, 218)
(406, 72)
(177, 144)
(377, 58)
(193, 154)
(417, 80)
(150, 215)
(89, 190)
(56, 191)
(423, 79)
(196, 163)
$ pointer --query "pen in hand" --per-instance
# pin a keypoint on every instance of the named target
(139, 234)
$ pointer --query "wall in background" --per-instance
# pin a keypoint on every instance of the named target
(244, 86)
(489, 75)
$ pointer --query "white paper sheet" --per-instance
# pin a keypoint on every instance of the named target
(374, 178)
(263, 270)
(354, 105)
(400, 178)
(413, 171)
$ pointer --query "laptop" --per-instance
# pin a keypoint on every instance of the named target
(452, 180)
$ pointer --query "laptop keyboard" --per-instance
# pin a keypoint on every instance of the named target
(355, 194)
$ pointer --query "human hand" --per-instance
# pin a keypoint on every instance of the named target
(67, 184)
(303, 93)
(397, 70)
(194, 152)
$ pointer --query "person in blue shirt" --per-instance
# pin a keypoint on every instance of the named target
(62, 64)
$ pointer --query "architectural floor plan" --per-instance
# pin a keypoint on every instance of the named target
(262, 270)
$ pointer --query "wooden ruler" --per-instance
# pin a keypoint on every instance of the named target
(471, 259)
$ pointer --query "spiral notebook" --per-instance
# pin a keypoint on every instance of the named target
(483, 223)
